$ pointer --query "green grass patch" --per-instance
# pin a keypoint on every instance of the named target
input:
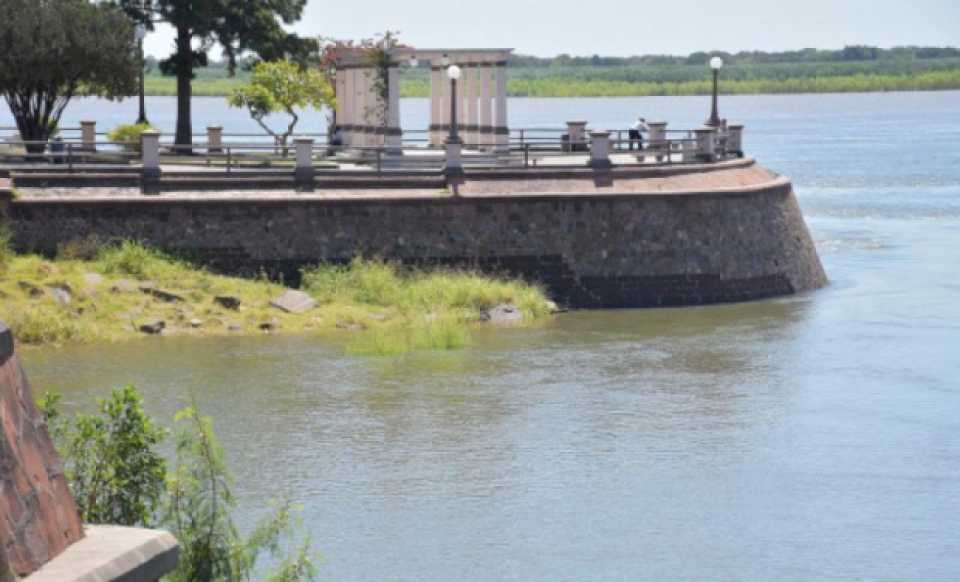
(376, 308)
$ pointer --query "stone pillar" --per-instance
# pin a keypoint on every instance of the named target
(706, 143)
(501, 131)
(577, 136)
(453, 165)
(150, 177)
(340, 85)
(600, 150)
(444, 106)
(435, 135)
(472, 90)
(735, 139)
(303, 175)
(486, 106)
(88, 136)
(214, 139)
(363, 107)
(394, 137)
(462, 90)
(348, 108)
(658, 139)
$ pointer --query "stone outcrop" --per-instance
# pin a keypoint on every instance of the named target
(38, 517)
(619, 238)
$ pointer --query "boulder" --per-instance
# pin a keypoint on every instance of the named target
(503, 314)
(195, 323)
(61, 293)
(234, 326)
(294, 302)
(153, 327)
(227, 301)
(166, 296)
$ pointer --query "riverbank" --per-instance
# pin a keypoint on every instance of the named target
(119, 293)
(552, 85)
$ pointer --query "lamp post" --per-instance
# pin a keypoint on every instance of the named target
(140, 33)
(453, 167)
(716, 63)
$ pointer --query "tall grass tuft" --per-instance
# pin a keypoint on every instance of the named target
(132, 259)
(44, 326)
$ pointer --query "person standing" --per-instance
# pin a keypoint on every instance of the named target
(636, 132)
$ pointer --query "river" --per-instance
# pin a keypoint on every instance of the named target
(815, 437)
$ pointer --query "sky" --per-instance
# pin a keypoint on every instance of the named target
(629, 27)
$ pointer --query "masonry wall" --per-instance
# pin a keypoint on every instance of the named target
(596, 250)
(38, 516)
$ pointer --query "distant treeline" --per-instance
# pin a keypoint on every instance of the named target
(852, 69)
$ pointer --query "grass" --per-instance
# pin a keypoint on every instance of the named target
(375, 307)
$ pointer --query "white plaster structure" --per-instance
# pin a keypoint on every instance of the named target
(481, 99)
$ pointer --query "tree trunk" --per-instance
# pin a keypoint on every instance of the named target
(184, 91)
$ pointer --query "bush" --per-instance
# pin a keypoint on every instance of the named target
(132, 259)
(129, 135)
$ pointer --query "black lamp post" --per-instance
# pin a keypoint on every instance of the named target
(453, 73)
(716, 63)
(141, 33)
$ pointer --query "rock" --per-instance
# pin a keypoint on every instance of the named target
(154, 327)
(503, 314)
(30, 289)
(294, 302)
(227, 302)
(160, 294)
(232, 326)
(195, 323)
(268, 326)
(92, 279)
(125, 286)
(61, 293)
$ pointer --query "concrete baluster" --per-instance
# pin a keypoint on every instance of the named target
(600, 150)
(577, 136)
(706, 144)
(303, 175)
(150, 177)
(735, 139)
(215, 139)
(88, 136)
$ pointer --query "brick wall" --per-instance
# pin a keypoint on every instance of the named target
(38, 517)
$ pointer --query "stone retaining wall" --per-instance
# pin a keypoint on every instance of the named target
(604, 248)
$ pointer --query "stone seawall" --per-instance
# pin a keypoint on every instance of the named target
(700, 239)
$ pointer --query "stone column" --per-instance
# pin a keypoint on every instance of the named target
(453, 165)
(501, 132)
(486, 106)
(462, 90)
(473, 101)
(444, 106)
(150, 152)
(577, 135)
(735, 139)
(88, 136)
(363, 107)
(658, 139)
(600, 150)
(435, 136)
(394, 137)
(214, 139)
(706, 143)
(348, 106)
(340, 85)
(303, 175)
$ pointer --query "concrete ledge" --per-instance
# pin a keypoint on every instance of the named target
(112, 553)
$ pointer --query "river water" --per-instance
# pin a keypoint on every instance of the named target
(807, 438)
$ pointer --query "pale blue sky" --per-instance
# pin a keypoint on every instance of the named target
(630, 27)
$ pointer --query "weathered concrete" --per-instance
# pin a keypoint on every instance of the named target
(660, 236)
(113, 553)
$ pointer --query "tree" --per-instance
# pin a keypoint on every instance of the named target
(237, 26)
(282, 87)
(54, 50)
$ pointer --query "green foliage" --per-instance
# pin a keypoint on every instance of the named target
(51, 325)
(54, 50)
(129, 135)
(110, 461)
(281, 87)
(236, 26)
(6, 247)
(132, 259)
(198, 512)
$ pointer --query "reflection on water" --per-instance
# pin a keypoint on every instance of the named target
(812, 437)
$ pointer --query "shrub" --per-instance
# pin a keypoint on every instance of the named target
(129, 135)
(364, 281)
(132, 259)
